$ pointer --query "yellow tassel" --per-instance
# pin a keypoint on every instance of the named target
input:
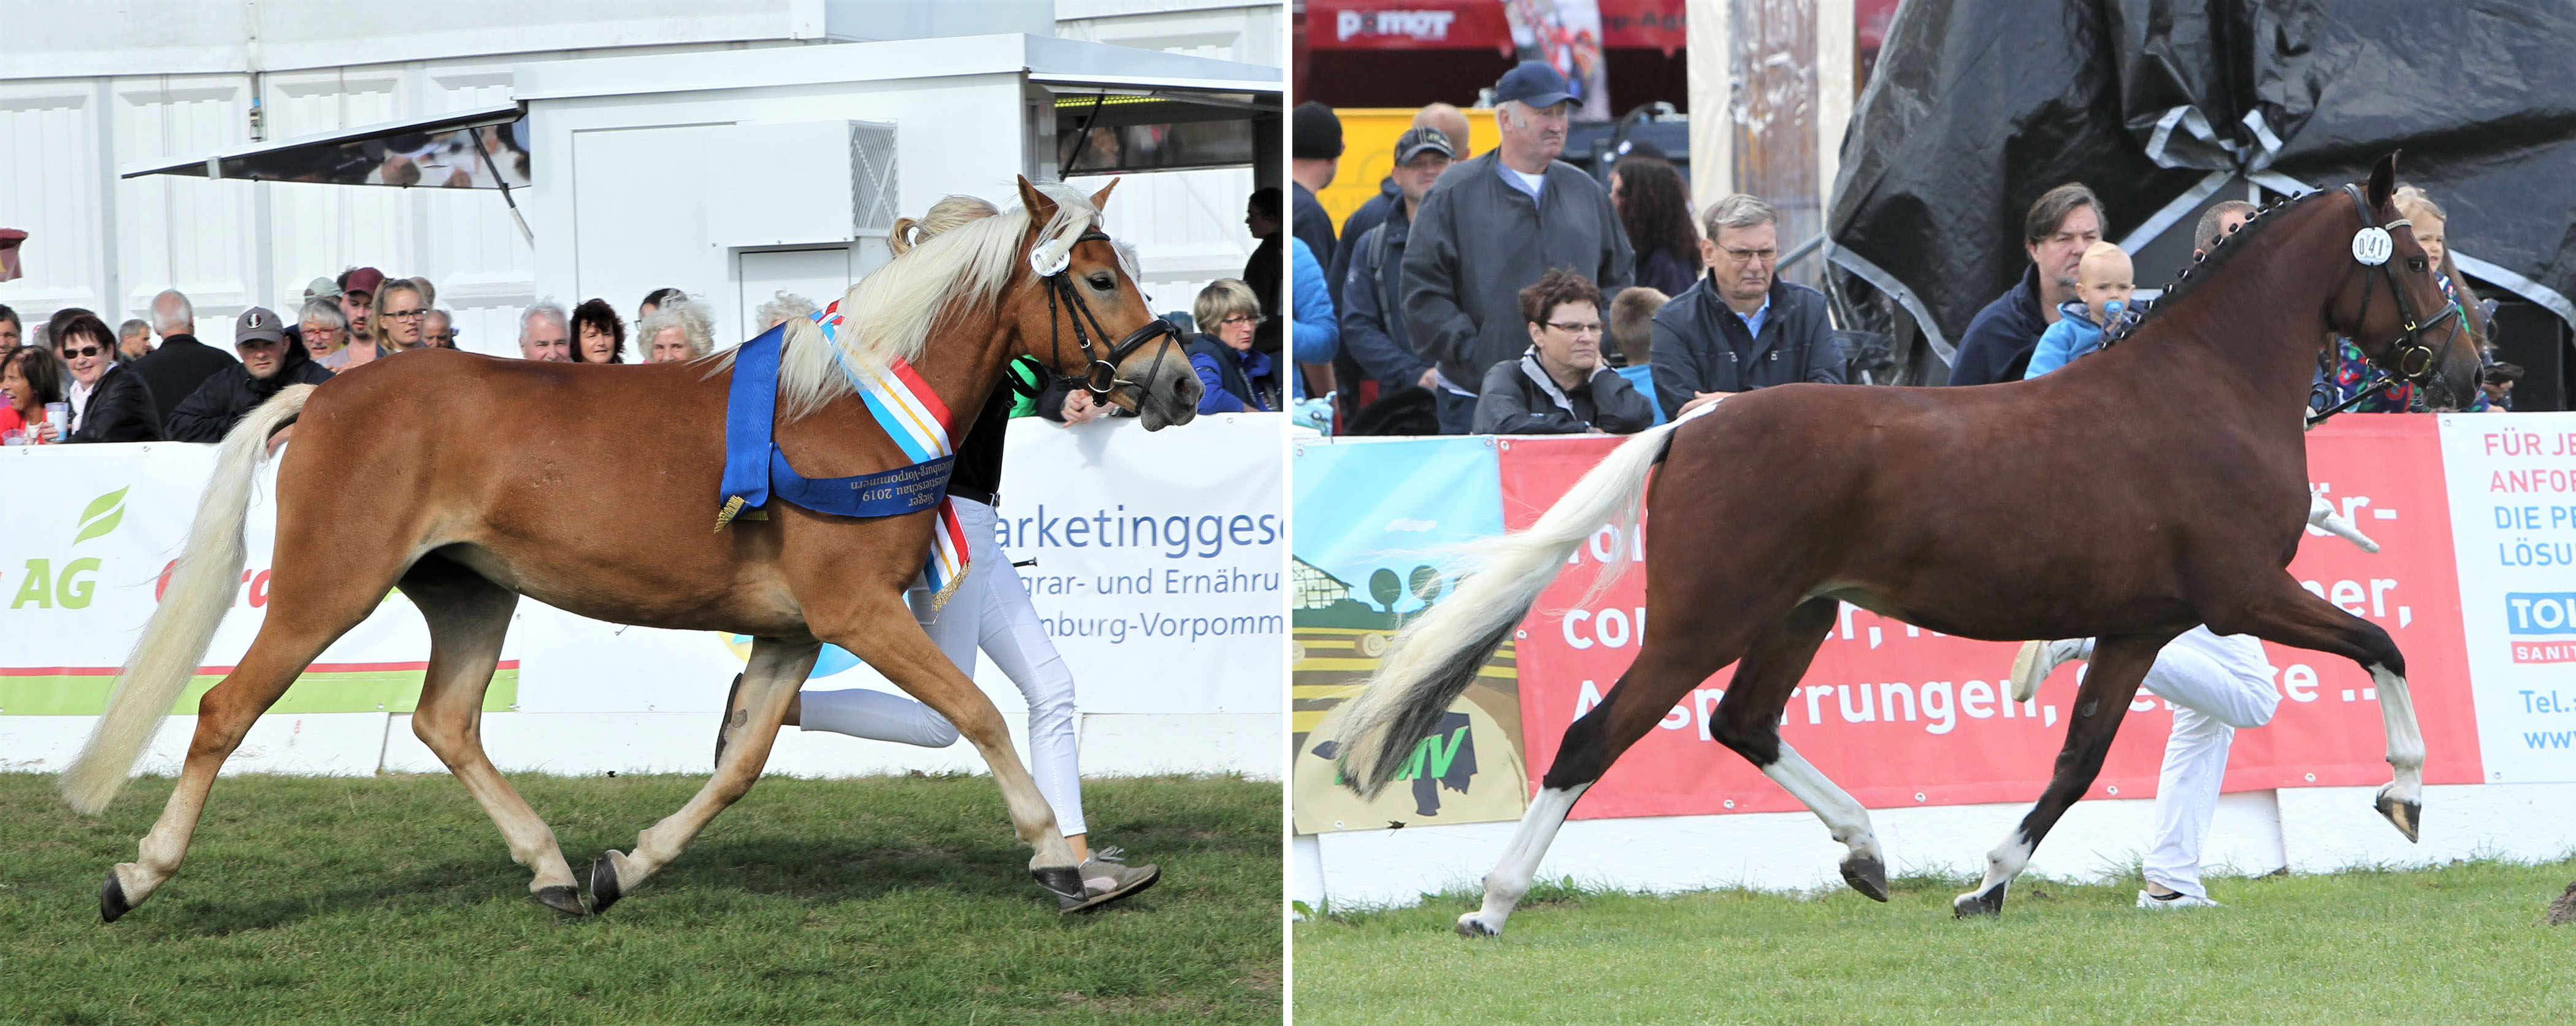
(940, 601)
(725, 516)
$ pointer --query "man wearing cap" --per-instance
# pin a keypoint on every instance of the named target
(1493, 226)
(1452, 125)
(1373, 328)
(268, 363)
(357, 297)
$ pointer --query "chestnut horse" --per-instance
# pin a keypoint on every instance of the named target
(1954, 509)
(470, 481)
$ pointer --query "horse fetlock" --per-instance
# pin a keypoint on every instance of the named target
(1984, 901)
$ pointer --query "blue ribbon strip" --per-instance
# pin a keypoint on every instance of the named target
(754, 466)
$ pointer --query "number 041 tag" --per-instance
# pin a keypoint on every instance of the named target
(2372, 245)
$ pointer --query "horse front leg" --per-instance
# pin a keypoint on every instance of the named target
(777, 668)
(2119, 665)
(2290, 615)
(891, 640)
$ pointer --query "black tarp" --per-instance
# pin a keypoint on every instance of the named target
(2162, 106)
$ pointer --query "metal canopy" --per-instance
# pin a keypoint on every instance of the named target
(1128, 127)
(481, 148)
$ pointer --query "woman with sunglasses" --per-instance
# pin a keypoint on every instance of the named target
(30, 377)
(109, 403)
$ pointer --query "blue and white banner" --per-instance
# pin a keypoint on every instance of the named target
(2512, 484)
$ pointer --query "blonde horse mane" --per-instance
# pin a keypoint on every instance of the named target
(889, 313)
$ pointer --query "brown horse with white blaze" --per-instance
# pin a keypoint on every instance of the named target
(470, 481)
(2156, 485)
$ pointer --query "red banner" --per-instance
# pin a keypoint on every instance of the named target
(1475, 25)
(1901, 716)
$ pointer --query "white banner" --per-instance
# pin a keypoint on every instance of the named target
(2512, 484)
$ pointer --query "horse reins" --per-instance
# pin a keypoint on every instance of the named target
(1100, 377)
(2407, 358)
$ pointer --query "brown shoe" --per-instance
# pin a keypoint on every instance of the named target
(1106, 879)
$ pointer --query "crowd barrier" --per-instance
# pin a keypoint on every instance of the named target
(2476, 581)
(1158, 570)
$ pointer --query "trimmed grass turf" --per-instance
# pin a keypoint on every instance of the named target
(2455, 945)
(392, 899)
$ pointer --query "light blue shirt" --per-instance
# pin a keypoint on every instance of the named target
(1753, 321)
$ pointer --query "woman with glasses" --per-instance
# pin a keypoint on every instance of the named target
(1238, 379)
(109, 403)
(1560, 386)
(401, 317)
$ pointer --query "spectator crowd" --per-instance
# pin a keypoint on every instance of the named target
(1512, 293)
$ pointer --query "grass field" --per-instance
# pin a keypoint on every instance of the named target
(392, 899)
(2463, 944)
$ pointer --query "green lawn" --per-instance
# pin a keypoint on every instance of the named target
(392, 899)
(2463, 944)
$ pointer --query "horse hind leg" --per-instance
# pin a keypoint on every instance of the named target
(1669, 664)
(468, 615)
(1747, 721)
(776, 670)
(2119, 664)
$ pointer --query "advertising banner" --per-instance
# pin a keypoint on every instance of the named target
(2512, 483)
(1483, 24)
(1901, 716)
(1374, 522)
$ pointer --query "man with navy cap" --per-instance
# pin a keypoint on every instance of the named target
(1373, 329)
(1493, 226)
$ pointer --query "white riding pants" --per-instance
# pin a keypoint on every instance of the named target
(2217, 683)
(990, 610)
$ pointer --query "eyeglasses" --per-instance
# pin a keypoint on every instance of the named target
(1743, 255)
(70, 353)
(406, 315)
(1250, 319)
(1578, 330)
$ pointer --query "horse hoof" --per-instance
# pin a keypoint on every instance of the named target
(111, 900)
(2406, 816)
(1866, 874)
(604, 889)
(1989, 902)
(1472, 927)
(1065, 882)
(561, 898)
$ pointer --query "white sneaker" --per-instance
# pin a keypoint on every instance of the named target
(2146, 900)
(2037, 659)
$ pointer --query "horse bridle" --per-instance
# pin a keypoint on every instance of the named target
(2407, 357)
(1100, 377)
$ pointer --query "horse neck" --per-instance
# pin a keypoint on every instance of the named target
(2254, 329)
(963, 359)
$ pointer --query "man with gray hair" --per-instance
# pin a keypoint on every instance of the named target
(1739, 327)
(1493, 226)
(182, 363)
(545, 332)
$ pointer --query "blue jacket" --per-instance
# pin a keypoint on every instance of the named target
(2073, 335)
(1232, 379)
(1318, 336)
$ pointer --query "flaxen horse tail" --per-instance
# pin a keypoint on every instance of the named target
(174, 641)
(1435, 657)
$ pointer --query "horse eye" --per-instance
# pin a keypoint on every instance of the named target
(2417, 264)
(1104, 282)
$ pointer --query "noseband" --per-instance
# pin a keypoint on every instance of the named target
(2407, 358)
(1100, 377)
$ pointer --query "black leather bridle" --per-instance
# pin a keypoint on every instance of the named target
(1100, 377)
(2407, 358)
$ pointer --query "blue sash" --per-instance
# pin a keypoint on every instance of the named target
(754, 468)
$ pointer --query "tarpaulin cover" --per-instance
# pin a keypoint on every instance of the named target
(1978, 106)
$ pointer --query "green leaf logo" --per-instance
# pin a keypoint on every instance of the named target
(102, 516)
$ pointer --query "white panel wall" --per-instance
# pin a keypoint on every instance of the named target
(49, 187)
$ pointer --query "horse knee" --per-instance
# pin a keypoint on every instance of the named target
(1757, 742)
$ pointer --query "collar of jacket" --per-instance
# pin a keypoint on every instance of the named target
(1719, 313)
(1531, 368)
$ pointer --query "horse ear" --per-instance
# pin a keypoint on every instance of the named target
(1100, 200)
(2383, 181)
(1041, 209)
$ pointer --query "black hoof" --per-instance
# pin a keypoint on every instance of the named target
(2408, 817)
(112, 905)
(1982, 903)
(604, 890)
(1065, 882)
(1868, 875)
(562, 899)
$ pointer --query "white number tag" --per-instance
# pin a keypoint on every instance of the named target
(2372, 245)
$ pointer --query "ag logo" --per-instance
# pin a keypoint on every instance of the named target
(76, 584)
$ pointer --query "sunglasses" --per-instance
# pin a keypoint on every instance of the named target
(70, 353)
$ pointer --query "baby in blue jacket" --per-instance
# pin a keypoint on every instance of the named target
(2103, 284)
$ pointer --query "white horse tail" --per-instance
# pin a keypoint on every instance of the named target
(174, 641)
(1436, 656)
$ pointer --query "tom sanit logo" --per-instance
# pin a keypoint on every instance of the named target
(44, 585)
(2543, 625)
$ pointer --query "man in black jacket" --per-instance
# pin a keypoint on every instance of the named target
(2061, 225)
(1559, 386)
(182, 363)
(1494, 225)
(1373, 330)
(1451, 123)
(268, 363)
(1739, 327)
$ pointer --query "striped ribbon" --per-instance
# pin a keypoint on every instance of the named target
(921, 426)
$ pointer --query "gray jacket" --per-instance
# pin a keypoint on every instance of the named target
(1478, 241)
(1701, 345)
